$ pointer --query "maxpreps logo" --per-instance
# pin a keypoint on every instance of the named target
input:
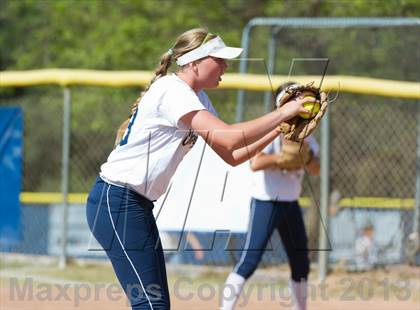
(190, 139)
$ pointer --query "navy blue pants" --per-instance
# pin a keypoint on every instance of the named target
(123, 223)
(287, 218)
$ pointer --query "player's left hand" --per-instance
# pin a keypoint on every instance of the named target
(298, 128)
(293, 155)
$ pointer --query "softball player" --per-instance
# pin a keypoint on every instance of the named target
(274, 205)
(165, 123)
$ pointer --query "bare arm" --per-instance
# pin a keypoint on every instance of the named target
(270, 161)
(232, 137)
(225, 139)
(264, 161)
(247, 151)
(313, 167)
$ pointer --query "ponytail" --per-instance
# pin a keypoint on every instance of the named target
(186, 42)
(161, 70)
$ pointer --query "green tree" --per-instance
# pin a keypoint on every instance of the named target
(132, 34)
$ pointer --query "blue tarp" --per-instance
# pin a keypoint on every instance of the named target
(11, 135)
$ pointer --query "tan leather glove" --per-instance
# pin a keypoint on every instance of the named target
(293, 156)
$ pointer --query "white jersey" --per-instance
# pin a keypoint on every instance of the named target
(365, 251)
(276, 184)
(155, 141)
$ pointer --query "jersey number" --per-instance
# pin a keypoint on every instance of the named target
(125, 139)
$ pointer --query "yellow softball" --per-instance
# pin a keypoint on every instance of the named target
(313, 107)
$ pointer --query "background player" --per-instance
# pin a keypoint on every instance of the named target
(277, 184)
(165, 122)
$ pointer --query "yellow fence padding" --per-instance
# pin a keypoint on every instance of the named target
(68, 77)
(355, 202)
(256, 82)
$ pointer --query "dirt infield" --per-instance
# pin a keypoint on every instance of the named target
(25, 286)
(103, 302)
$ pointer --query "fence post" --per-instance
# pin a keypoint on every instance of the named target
(65, 162)
(324, 197)
(416, 215)
(242, 69)
(271, 67)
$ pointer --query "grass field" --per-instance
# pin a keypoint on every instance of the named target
(37, 283)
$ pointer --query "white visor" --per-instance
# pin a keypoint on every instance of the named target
(283, 92)
(215, 47)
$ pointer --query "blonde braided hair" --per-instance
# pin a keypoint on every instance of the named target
(186, 42)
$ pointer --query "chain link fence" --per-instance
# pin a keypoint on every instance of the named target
(373, 151)
(373, 158)
(373, 138)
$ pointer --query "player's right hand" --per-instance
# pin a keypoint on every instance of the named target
(295, 106)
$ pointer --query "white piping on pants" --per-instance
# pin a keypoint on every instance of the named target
(118, 237)
(248, 240)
